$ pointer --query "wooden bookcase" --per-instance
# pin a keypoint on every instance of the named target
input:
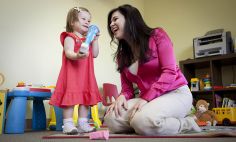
(222, 71)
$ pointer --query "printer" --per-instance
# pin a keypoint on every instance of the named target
(212, 44)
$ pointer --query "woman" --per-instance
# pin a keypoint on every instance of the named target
(145, 57)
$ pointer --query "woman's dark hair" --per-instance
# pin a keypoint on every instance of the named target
(136, 32)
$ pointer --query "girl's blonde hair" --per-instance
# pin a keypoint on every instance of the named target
(72, 16)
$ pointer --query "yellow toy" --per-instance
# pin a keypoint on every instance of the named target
(207, 82)
(225, 116)
(195, 84)
(75, 115)
(52, 123)
(95, 117)
(3, 98)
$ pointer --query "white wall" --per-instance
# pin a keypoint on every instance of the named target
(186, 19)
(30, 49)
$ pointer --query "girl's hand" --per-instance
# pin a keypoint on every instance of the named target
(118, 105)
(137, 107)
(97, 36)
(82, 55)
(95, 46)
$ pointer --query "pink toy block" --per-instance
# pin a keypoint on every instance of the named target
(99, 135)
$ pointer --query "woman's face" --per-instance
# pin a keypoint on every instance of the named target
(117, 25)
(83, 23)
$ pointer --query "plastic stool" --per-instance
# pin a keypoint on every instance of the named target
(39, 115)
(15, 122)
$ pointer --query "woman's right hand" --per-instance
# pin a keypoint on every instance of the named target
(118, 105)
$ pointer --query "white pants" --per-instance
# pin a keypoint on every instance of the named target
(160, 116)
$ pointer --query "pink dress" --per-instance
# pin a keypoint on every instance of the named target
(76, 83)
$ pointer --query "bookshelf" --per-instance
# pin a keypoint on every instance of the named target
(222, 71)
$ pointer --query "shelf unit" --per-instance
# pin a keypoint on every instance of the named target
(222, 70)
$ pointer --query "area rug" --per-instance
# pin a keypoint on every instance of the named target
(207, 132)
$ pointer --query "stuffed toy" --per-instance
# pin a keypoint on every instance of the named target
(203, 115)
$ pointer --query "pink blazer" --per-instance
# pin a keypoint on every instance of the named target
(157, 76)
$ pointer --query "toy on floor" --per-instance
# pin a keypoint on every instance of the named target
(99, 135)
(95, 117)
(52, 115)
(225, 116)
(93, 30)
(75, 114)
(204, 115)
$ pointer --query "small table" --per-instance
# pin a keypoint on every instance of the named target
(16, 112)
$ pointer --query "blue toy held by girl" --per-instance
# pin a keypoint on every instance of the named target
(93, 30)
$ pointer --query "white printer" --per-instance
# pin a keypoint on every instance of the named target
(212, 44)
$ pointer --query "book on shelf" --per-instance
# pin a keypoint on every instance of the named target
(227, 102)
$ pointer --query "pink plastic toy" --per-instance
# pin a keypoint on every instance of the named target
(99, 135)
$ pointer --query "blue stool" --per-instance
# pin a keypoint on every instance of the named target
(16, 112)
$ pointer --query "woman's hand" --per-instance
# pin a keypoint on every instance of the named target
(118, 105)
(137, 107)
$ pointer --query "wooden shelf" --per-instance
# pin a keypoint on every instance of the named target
(229, 57)
(222, 70)
(216, 90)
(225, 90)
(202, 91)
